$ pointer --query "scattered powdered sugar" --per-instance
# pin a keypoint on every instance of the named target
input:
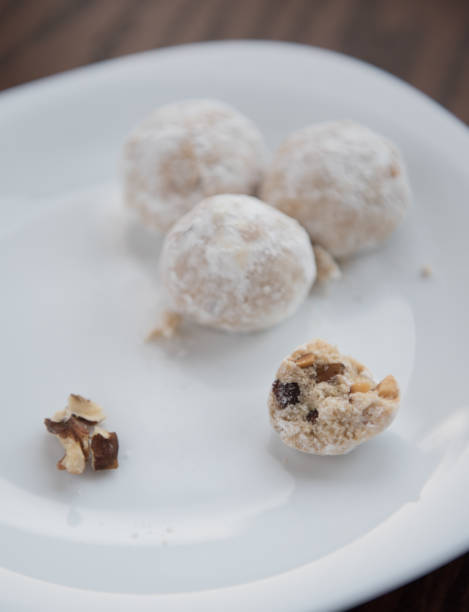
(346, 184)
(186, 151)
(236, 263)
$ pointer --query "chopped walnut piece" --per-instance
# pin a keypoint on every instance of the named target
(73, 435)
(74, 460)
(326, 266)
(85, 409)
(388, 388)
(61, 415)
(82, 408)
(326, 371)
(104, 449)
(170, 322)
(360, 386)
(72, 428)
(305, 361)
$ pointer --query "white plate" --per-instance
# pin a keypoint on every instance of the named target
(209, 510)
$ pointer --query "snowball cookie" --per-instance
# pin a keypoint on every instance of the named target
(325, 403)
(344, 183)
(237, 264)
(186, 151)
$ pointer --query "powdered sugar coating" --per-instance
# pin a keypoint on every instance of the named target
(344, 183)
(186, 151)
(332, 404)
(237, 264)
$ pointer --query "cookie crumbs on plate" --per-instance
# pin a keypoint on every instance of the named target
(170, 323)
(426, 271)
(326, 267)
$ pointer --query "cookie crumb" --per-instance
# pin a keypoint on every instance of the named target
(170, 323)
(426, 271)
(327, 268)
(73, 435)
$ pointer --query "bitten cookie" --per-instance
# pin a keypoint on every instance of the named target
(326, 403)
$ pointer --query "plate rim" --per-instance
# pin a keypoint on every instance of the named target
(13, 584)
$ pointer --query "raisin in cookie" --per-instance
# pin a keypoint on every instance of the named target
(326, 403)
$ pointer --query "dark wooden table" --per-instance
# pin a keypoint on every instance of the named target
(424, 42)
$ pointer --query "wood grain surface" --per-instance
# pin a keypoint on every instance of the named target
(424, 42)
